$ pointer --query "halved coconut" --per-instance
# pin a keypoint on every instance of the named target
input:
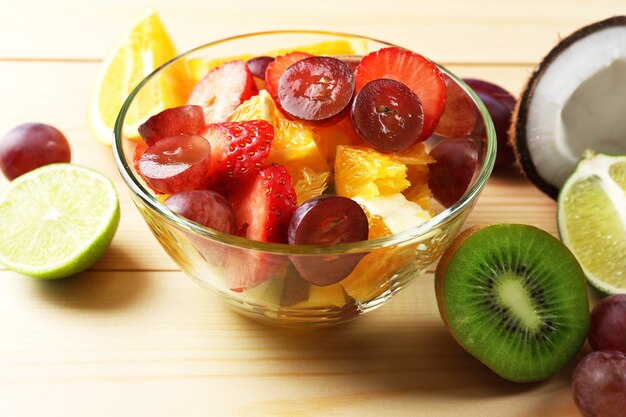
(575, 99)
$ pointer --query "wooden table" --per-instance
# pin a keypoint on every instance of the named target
(135, 337)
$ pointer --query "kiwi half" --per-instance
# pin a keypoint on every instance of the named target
(515, 298)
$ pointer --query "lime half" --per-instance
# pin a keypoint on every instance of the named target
(592, 219)
(57, 220)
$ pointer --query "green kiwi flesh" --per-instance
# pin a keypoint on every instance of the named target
(515, 298)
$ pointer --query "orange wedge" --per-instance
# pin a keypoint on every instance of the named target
(143, 48)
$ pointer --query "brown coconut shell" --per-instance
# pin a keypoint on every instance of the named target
(517, 132)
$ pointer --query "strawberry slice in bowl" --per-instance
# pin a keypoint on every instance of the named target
(222, 90)
(413, 70)
(264, 205)
(263, 209)
(238, 149)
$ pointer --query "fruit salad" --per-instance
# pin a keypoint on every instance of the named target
(311, 149)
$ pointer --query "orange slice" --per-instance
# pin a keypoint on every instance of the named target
(361, 171)
(143, 48)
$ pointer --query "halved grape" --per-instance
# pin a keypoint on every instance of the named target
(327, 220)
(32, 145)
(204, 207)
(351, 61)
(599, 384)
(459, 115)
(178, 163)
(182, 120)
(500, 104)
(388, 115)
(316, 88)
(453, 169)
(258, 65)
(607, 330)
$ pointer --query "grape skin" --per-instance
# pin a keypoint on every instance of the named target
(175, 164)
(32, 145)
(451, 174)
(316, 89)
(607, 329)
(182, 120)
(387, 115)
(258, 65)
(327, 220)
(599, 384)
(500, 105)
(204, 207)
(459, 115)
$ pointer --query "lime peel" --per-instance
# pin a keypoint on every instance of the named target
(57, 220)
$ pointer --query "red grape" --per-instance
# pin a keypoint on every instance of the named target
(351, 61)
(607, 329)
(453, 169)
(204, 207)
(258, 65)
(599, 384)
(178, 163)
(459, 116)
(183, 120)
(500, 104)
(388, 115)
(316, 89)
(327, 220)
(32, 145)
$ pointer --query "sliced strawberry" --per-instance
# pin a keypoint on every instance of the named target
(238, 149)
(413, 70)
(182, 120)
(277, 67)
(222, 90)
(264, 205)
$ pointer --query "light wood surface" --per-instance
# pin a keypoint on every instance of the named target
(135, 337)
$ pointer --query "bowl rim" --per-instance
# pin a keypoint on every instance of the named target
(397, 239)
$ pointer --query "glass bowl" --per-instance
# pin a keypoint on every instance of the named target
(261, 280)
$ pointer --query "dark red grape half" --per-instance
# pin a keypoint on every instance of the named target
(327, 220)
(178, 163)
(388, 115)
(258, 65)
(182, 120)
(316, 88)
(204, 207)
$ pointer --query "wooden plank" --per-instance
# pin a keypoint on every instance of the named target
(135, 337)
(136, 343)
(448, 31)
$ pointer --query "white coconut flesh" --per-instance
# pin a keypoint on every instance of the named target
(579, 103)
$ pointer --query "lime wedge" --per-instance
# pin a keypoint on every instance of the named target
(57, 220)
(591, 218)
